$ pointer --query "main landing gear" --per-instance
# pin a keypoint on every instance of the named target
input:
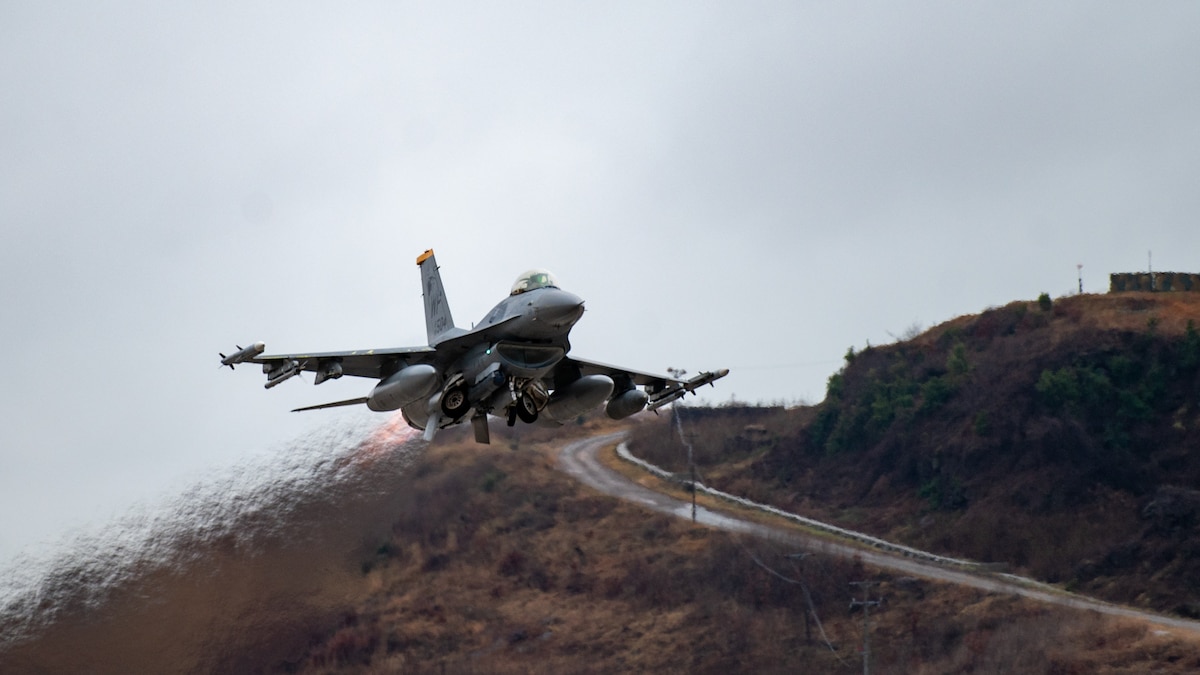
(525, 405)
(455, 403)
(524, 409)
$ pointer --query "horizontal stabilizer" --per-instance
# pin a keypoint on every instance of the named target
(335, 404)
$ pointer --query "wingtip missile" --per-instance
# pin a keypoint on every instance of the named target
(704, 378)
(682, 389)
(242, 354)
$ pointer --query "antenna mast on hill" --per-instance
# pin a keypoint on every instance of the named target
(1079, 268)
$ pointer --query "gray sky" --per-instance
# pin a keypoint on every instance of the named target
(747, 185)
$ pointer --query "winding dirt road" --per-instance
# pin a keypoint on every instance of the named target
(579, 459)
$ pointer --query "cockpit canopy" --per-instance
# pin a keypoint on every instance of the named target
(534, 279)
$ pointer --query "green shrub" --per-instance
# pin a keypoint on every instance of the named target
(983, 426)
(935, 392)
(1057, 388)
(833, 387)
(957, 362)
(1189, 351)
(943, 493)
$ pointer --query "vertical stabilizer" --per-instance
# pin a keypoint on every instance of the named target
(438, 321)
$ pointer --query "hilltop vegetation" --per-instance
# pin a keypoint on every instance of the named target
(1057, 437)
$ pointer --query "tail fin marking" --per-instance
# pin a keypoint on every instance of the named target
(438, 321)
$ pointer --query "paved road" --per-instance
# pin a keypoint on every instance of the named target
(579, 460)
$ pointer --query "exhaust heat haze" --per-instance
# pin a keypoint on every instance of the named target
(236, 574)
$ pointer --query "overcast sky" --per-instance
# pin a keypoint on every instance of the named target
(747, 185)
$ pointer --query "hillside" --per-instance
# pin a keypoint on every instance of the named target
(499, 564)
(1060, 438)
(491, 560)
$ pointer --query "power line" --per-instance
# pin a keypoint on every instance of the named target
(776, 366)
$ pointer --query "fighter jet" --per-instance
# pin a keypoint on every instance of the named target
(514, 364)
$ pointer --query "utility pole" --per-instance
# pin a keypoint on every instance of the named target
(692, 465)
(866, 604)
(1079, 268)
(808, 610)
(679, 428)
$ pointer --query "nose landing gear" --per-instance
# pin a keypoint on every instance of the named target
(528, 398)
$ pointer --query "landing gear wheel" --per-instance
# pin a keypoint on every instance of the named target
(512, 417)
(526, 409)
(454, 403)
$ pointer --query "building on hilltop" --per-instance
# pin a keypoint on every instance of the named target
(1124, 282)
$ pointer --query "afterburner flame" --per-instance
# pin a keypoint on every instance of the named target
(393, 431)
(386, 439)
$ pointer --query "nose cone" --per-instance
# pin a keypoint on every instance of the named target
(558, 308)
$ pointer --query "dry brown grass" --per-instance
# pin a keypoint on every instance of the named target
(1116, 311)
(499, 564)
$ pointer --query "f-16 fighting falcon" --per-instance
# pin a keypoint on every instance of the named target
(514, 364)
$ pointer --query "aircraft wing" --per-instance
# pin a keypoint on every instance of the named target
(373, 363)
(662, 389)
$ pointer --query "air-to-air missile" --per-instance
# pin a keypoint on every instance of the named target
(658, 401)
(242, 354)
